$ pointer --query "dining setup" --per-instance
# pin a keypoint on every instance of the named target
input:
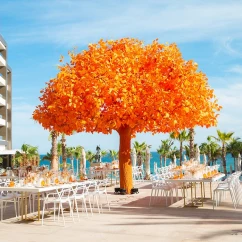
(62, 189)
(38, 192)
(191, 175)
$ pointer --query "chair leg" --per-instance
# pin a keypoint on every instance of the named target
(15, 207)
(107, 201)
(85, 205)
(89, 200)
(54, 210)
(59, 207)
(97, 204)
(77, 210)
(33, 201)
(99, 199)
(62, 212)
(1, 205)
(71, 211)
(43, 212)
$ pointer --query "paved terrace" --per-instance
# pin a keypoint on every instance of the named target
(131, 219)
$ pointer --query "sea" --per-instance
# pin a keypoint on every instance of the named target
(155, 157)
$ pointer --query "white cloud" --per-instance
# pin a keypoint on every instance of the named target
(73, 22)
(80, 22)
(230, 118)
(237, 69)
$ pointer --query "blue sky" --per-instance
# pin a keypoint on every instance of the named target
(38, 32)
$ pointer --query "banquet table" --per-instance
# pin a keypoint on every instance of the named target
(193, 182)
(25, 190)
(102, 173)
(9, 177)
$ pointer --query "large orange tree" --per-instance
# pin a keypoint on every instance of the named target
(129, 87)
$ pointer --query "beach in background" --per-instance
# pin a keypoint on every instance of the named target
(155, 157)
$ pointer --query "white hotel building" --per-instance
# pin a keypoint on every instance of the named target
(5, 99)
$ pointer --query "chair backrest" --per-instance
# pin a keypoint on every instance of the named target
(64, 192)
(80, 189)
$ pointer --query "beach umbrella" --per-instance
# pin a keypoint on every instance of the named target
(239, 162)
(147, 163)
(185, 157)
(204, 159)
(174, 159)
(133, 157)
(155, 167)
(83, 163)
(77, 171)
(197, 154)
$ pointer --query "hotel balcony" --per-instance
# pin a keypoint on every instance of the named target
(2, 81)
(2, 122)
(2, 46)
(2, 61)
(2, 101)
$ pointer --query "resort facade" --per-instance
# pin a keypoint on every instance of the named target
(5, 98)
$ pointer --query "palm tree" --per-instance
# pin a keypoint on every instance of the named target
(104, 153)
(54, 155)
(215, 152)
(160, 152)
(224, 138)
(164, 149)
(191, 143)
(181, 137)
(63, 149)
(59, 153)
(70, 153)
(174, 151)
(113, 154)
(147, 162)
(234, 148)
(48, 157)
(90, 156)
(78, 156)
(140, 151)
(187, 150)
(27, 154)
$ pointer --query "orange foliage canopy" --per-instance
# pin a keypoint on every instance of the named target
(126, 83)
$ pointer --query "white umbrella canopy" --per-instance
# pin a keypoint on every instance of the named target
(83, 163)
(133, 157)
(155, 167)
(239, 162)
(204, 159)
(197, 154)
(147, 163)
(174, 159)
(185, 157)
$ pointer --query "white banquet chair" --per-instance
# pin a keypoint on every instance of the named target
(5, 198)
(80, 193)
(60, 197)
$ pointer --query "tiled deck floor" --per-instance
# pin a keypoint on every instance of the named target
(131, 219)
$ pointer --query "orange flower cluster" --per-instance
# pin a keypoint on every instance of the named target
(124, 83)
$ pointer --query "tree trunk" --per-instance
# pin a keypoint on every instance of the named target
(63, 148)
(54, 157)
(224, 158)
(125, 166)
(165, 160)
(181, 146)
(139, 159)
(192, 134)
